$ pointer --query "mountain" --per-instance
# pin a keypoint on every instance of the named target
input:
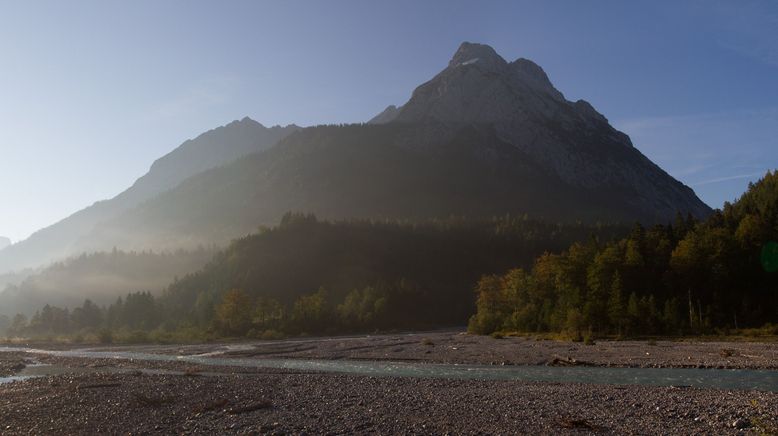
(569, 141)
(388, 115)
(483, 138)
(216, 147)
(4, 242)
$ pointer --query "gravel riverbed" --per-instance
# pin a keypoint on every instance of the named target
(115, 397)
(279, 403)
(459, 347)
(13, 362)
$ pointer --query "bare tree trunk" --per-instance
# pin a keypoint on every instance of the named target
(699, 309)
(691, 310)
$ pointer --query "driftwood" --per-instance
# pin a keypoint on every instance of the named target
(264, 404)
(212, 405)
(575, 423)
(99, 386)
(567, 361)
(152, 401)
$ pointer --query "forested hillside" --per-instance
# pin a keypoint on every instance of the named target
(100, 277)
(308, 276)
(689, 277)
(422, 273)
(318, 277)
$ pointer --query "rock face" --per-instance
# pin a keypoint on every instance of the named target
(569, 140)
(4, 242)
(214, 148)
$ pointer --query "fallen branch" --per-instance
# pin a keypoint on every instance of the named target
(98, 386)
(212, 405)
(578, 423)
(264, 404)
(567, 361)
(152, 401)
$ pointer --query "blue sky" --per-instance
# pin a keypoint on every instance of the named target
(91, 92)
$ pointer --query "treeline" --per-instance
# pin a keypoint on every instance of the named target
(100, 277)
(142, 317)
(401, 275)
(686, 278)
(308, 276)
(377, 307)
(136, 313)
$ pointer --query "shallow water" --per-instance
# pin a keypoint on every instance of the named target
(44, 370)
(746, 379)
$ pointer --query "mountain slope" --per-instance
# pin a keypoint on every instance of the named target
(570, 140)
(213, 148)
(386, 116)
(101, 277)
(484, 137)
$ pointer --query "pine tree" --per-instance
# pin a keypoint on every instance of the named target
(616, 309)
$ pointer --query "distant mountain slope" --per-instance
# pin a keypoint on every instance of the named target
(483, 138)
(101, 277)
(386, 116)
(213, 148)
(4, 242)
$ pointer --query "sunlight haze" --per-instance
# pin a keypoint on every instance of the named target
(93, 91)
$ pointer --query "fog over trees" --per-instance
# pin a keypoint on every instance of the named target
(308, 276)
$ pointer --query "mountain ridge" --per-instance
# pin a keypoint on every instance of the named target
(484, 137)
(193, 156)
(570, 139)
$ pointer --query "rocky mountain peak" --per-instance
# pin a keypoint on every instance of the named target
(531, 72)
(480, 55)
(248, 121)
(479, 86)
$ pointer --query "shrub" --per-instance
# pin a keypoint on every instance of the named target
(137, 337)
(588, 338)
(105, 336)
(271, 334)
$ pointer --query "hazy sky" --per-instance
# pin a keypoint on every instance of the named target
(91, 92)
